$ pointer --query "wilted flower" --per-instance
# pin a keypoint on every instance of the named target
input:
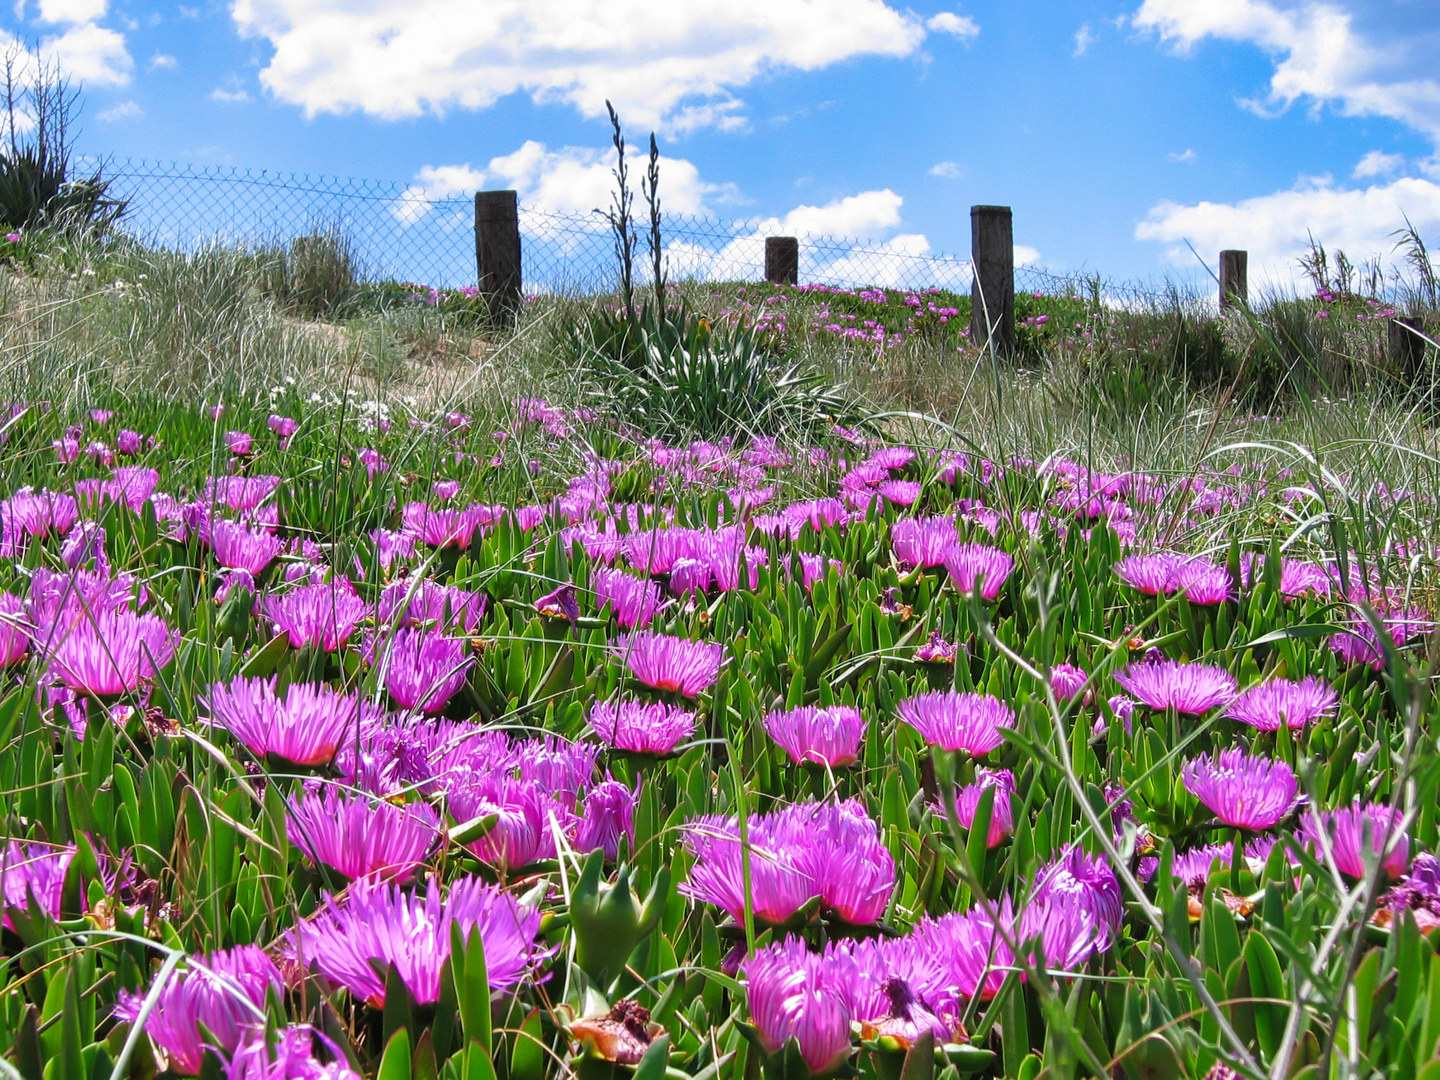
(1280, 701)
(559, 604)
(825, 736)
(936, 651)
(358, 836)
(671, 663)
(412, 933)
(968, 563)
(220, 996)
(958, 721)
(641, 727)
(305, 727)
(1241, 790)
(1169, 684)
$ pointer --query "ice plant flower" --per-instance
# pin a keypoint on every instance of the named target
(239, 548)
(632, 602)
(1191, 689)
(958, 721)
(822, 736)
(222, 994)
(323, 615)
(967, 801)
(968, 563)
(641, 727)
(423, 671)
(559, 603)
(1241, 790)
(1067, 680)
(407, 602)
(107, 653)
(1280, 701)
(290, 1058)
(14, 641)
(305, 727)
(607, 815)
(791, 995)
(826, 850)
(1352, 834)
(358, 836)
(239, 442)
(32, 874)
(1075, 909)
(441, 528)
(676, 664)
(412, 933)
(523, 811)
(936, 651)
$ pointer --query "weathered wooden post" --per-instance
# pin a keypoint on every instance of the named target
(782, 260)
(1407, 347)
(992, 292)
(497, 251)
(1234, 283)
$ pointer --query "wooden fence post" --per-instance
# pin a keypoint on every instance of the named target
(497, 251)
(992, 293)
(1407, 347)
(782, 260)
(1234, 283)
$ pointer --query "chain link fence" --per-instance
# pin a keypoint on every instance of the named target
(404, 233)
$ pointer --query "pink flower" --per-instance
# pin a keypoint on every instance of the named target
(958, 721)
(238, 442)
(676, 664)
(827, 736)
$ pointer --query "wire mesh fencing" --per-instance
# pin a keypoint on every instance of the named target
(406, 233)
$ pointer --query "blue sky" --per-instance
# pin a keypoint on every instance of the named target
(1116, 131)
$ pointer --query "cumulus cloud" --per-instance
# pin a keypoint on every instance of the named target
(123, 110)
(868, 215)
(675, 64)
(1025, 255)
(1276, 229)
(71, 11)
(1320, 55)
(91, 54)
(959, 26)
(947, 170)
(1376, 163)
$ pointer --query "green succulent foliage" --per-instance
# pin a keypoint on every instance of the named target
(673, 375)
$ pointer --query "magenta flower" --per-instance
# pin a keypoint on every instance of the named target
(968, 563)
(128, 443)
(305, 727)
(424, 671)
(412, 933)
(798, 852)
(240, 492)
(32, 874)
(967, 801)
(239, 548)
(282, 426)
(1279, 701)
(936, 651)
(223, 993)
(322, 615)
(107, 653)
(607, 815)
(238, 442)
(411, 603)
(813, 568)
(441, 528)
(633, 602)
(1243, 791)
(825, 736)
(1153, 575)
(676, 664)
(971, 950)
(559, 603)
(14, 640)
(290, 1058)
(1075, 909)
(1191, 689)
(361, 837)
(1355, 833)
(641, 727)
(957, 721)
(791, 995)
(522, 810)
(1067, 681)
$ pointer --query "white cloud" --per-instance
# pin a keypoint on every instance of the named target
(122, 111)
(435, 182)
(676, 63)
(71, 11)
(870, 214)
(91, 55)
(947, 170)
(163, 62)
(1026, 256)
(947, 22)
(1276, 229)
(1188, 157)
(228, 97)
(1084, 38)
(1320, 55)
(1376, 163)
